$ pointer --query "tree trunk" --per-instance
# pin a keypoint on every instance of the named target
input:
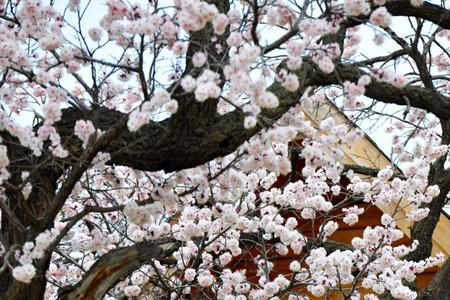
(12, 289)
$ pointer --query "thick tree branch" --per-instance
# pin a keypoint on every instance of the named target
(439, 288)
(428, 11)
(6, 211)
(329, 245)
(173, 145)
(418, 97)
(113, 267)
(372, 172)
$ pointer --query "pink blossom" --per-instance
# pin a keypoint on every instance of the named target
(234, 39)
(189, 274)
(179, 48)
(95, 34)
(220, 23)
(356, 7)
(83, 130)
(188, 83)
(131, 291)
(24, 273)
(171, 106)
(199, 59)
(295, 48)
(381, 17)
(416, 2)
(291, 83)
(326, 64)
(50, 42)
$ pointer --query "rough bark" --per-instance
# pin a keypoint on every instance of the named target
(26, 212)
(439, 288)
(110, 269)
(13, 289)
(428, 11)
(188, 140)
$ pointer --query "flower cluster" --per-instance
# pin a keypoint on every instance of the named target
(194, 14)
(83, 130)
(217, 227)
(32, 251)
(381, 17)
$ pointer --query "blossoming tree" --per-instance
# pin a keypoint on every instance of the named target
(139, 145)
